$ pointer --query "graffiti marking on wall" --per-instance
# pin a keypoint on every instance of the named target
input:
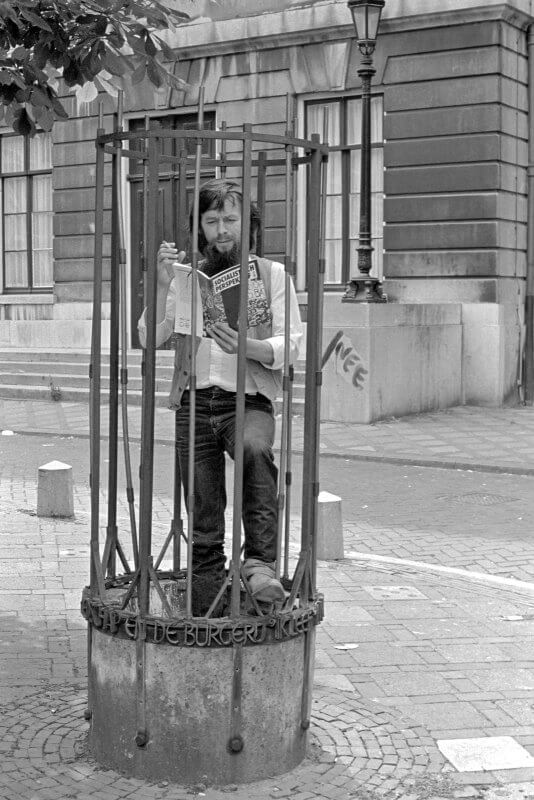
(347, 362)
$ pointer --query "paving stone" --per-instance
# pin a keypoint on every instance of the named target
(487, 753)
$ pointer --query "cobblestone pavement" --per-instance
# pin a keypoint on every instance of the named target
(428, 636)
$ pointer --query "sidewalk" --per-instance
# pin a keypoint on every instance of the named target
(424, 681)
(491, 439)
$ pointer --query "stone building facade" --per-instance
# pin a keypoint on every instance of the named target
(451, 137)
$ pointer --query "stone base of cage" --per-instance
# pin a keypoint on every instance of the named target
(200, 700)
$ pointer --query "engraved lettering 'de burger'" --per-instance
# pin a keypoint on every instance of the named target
(201, 632)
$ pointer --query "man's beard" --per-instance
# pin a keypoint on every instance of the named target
(217, 262)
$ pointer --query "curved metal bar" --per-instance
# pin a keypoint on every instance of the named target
(130, 493)
(244, 135)
(207, 161)
(109, 558)
(130, 497)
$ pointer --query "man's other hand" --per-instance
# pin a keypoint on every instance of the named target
(167, 255)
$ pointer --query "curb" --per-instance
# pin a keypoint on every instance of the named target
(406, 461)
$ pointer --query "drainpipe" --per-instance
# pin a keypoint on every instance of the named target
(528, 352)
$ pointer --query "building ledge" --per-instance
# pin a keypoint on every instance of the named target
(331, 19)
(26, 299)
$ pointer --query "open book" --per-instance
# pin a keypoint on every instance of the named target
(218, 298)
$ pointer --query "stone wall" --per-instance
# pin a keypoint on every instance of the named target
(456, 127)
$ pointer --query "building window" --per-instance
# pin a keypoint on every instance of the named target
(343, 187)
(175, 122)
(26, 213)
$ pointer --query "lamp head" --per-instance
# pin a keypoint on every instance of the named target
(366, 18)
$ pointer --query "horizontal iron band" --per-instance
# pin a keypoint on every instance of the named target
(199, 631)
(168, 133)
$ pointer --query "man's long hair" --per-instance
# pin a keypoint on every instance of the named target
(213, 195)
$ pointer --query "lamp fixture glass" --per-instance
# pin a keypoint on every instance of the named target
(366, 17)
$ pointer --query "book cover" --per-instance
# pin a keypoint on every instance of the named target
(218, 298)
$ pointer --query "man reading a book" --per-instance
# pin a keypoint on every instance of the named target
(219, 239)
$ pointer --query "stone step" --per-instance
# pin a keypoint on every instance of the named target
(38, 373)
(79, 359)
(163, 383)
(72, 368)
(68, 394)
(163, 357)
(65, 380)
(81, 395)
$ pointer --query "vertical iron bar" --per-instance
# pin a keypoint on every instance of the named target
(147, 413)
(260, 200)
(110, 563)
(145, 259)
(310, 487)
(311, 431)
(177, 525)
(289, 475)
(96, 355)
(94, 390)
(307, 682)
(193, 377)
(223, 151)
(236, 740)
(287, 373)
(146, 467)
(241, 369)
(317, 312)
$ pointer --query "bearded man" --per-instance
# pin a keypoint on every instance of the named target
(219, 239)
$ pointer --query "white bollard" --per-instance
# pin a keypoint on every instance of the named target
(329, 527)
(55, 497)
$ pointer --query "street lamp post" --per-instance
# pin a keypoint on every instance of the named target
(366, 17)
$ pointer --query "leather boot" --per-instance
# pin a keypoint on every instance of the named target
(262, 581)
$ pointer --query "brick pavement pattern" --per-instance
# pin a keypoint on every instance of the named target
(407, 656)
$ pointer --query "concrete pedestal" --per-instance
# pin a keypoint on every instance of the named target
(390, 360)
(191, 724)
(393, 359)
(225, 700)
(329, 527)
(55, 494)
(490, 353)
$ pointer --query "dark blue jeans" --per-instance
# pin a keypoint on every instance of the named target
(215, 435)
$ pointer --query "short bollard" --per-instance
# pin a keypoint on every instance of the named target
(329, 528)
(55, 496)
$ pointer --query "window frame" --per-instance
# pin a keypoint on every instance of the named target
(346, 152)
(29, 175)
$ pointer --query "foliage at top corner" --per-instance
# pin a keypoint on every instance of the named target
(92, 45)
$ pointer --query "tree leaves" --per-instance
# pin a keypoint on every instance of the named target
(91, 44)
